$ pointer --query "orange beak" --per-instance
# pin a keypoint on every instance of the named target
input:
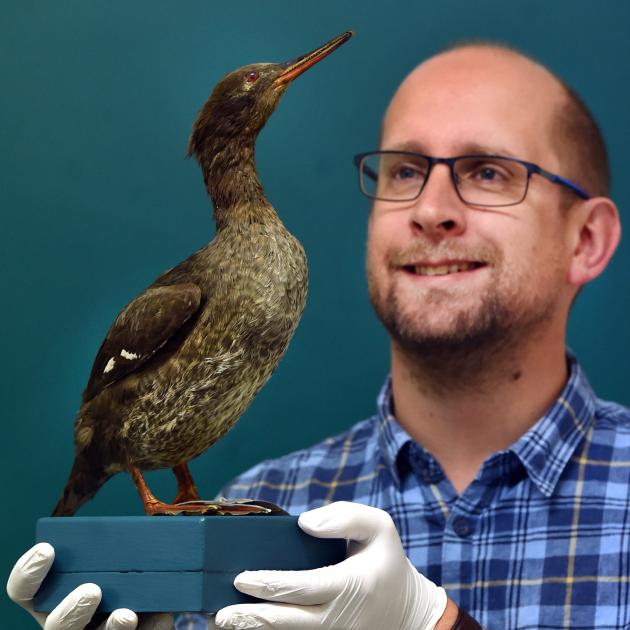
(297, 66)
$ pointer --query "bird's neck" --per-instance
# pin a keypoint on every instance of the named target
(229, 170)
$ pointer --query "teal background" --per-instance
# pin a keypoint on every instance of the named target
(97, 199)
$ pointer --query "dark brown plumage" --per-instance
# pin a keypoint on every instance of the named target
(185, 358)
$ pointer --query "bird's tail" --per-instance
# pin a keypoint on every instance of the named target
(84, 481)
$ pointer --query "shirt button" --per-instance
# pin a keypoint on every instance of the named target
(461, 526)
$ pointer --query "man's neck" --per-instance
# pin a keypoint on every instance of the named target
(463, 412)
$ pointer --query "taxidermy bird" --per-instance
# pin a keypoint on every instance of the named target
(186, 357)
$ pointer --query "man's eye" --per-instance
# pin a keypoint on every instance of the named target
(405, 171)
(490, 173)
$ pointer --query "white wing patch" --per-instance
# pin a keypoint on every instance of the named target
(128, 355)
(110, 365)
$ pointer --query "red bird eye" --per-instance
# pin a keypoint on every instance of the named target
(252, 76)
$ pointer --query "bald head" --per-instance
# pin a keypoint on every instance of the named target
(514, 99)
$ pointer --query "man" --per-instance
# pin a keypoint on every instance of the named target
(505, 476)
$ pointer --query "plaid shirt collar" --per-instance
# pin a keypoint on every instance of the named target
(543, 451)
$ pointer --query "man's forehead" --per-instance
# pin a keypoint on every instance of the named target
(500, 90)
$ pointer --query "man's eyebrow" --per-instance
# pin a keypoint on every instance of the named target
(474, 148)
(409, 145)
(468, 148)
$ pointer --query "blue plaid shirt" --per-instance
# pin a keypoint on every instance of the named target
(540, 539)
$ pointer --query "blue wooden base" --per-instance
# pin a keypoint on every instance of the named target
(176, 563)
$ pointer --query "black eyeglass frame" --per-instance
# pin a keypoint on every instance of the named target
(450, 162)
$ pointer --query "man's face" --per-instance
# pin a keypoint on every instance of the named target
(506, 266)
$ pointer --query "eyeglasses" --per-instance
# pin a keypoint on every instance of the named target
(480, 180)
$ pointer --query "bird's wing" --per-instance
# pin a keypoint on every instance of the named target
(141, 328)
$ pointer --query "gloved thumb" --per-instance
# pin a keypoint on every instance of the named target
(343, 519)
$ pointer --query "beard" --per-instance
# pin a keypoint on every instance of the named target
(493, 322)
(472, 333)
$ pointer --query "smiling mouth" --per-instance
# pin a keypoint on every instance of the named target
(442, 269)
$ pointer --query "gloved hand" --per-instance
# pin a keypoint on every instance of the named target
(375, 587)
(77, 609)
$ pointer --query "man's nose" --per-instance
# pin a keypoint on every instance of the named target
(438, 211)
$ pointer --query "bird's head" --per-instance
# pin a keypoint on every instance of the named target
(243, 100)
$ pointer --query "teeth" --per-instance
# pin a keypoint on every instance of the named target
(442, 270)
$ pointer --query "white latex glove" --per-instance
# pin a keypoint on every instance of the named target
(374, 588)
(77, 609)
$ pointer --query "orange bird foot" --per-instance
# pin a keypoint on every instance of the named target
(187, 501)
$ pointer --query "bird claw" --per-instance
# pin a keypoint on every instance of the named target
(222, 507)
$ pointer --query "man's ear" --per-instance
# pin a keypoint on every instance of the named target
(597, 230)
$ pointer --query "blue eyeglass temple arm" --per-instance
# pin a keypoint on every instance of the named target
(558, 179)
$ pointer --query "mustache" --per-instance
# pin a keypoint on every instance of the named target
(445, 250)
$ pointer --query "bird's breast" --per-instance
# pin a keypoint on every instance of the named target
(254, 291)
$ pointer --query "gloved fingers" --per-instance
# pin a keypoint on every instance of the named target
(270, 617)
(315, 586)
(29, 572)
(125, 619)
(344, 519)
(76, 610)
(120, 619)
